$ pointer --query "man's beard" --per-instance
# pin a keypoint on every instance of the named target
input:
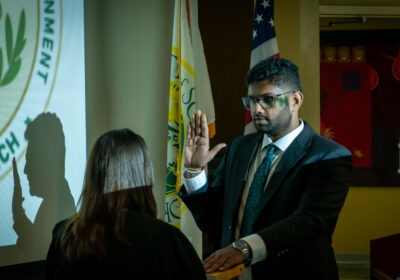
(278, 126)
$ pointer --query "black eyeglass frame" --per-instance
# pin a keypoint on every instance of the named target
(264, 104)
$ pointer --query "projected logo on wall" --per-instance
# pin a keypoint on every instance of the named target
(42, 122)
(30, 38)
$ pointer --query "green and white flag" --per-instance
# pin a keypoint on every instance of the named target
(189, 90)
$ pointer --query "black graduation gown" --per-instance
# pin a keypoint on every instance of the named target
(156, 250)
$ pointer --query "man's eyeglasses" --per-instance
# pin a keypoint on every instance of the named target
(266, 101)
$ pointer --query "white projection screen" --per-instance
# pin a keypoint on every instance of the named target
(42, 122)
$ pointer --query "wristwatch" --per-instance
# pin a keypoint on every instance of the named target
(242, 247)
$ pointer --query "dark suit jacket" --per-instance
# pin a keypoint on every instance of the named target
(155, 251)
(298, 211)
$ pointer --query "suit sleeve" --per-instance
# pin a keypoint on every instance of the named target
(323, 197)
(206, 204)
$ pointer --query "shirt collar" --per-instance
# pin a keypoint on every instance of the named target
(283, 142)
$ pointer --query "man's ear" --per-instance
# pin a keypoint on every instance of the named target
(297, 100)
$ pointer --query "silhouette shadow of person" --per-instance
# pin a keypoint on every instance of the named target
(45, 171)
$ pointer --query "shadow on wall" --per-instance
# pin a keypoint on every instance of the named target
(45, 170)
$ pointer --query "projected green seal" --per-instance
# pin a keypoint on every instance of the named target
(30, 40)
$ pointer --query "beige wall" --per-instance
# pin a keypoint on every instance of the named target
(297, 29)
(128, 47)
(368, 213)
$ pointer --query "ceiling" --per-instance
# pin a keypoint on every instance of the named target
(360, 2)
(359, 14)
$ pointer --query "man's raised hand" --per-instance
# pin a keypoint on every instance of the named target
(197, 151)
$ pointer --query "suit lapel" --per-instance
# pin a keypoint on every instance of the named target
(292, 155)
(244, 155)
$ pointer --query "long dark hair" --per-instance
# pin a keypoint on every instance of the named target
(118, 178)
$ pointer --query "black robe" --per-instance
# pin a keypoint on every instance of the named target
(156, 250)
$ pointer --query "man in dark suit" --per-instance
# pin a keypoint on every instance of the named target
(276, 195)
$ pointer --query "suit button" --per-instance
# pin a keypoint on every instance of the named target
(230, 227)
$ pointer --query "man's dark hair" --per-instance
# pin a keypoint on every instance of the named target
(277, 71)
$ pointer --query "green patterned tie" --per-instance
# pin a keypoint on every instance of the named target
(256, 189)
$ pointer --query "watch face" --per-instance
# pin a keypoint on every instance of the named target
(241, 245)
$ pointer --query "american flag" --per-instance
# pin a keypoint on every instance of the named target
(264, 43)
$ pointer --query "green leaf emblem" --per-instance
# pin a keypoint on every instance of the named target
(13, 52)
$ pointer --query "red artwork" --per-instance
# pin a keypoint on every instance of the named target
(346, 108)
(396, 64)
(373, 78)
(360, 101)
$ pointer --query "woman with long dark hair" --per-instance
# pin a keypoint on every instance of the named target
(115, 233)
